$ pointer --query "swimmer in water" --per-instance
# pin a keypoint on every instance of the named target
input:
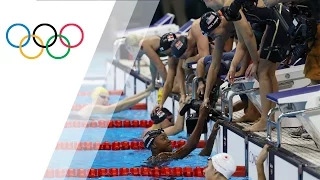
(159, 144)
(100, 102)
(220, 167)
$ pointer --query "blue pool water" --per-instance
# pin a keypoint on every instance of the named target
(115, 159)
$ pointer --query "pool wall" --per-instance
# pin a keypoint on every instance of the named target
(280, 164)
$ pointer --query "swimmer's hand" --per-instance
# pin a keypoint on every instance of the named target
(201, 88)
(251, 71)
(231, 74)
(205, 103)
(182, 99)
(154, 110)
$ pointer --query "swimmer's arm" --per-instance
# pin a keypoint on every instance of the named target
(181, 78)
(177, 127)
(192, 59)
(215, 65)
(155, 59)
(206, 151)
(260, 171)
(246, 37)
(240, 52)
(121, 105)
(202, 44)
(194, 138)
(168, 84)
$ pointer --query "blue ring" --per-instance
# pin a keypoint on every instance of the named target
(22, 25)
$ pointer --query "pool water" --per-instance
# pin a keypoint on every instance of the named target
(115, 159)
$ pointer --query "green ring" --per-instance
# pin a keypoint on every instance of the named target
(57, 57)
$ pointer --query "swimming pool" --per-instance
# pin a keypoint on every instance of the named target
(130, 159)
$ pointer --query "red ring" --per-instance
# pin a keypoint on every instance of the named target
(82, 35)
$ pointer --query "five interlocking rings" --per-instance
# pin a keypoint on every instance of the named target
(47, 45)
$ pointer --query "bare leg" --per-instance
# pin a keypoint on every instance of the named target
(266, 87)
(176, 88)
(275, 85)
(154, 73)
(251, 115)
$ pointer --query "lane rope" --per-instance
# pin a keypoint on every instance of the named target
(116, 145)
(139, 106)
(109, 124)
(135, 171)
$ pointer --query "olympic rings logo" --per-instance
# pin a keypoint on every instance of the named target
(48, 44)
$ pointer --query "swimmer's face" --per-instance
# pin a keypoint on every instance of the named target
(103, 99)
(209, 171)
(163, 144)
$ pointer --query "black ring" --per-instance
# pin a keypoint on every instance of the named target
(55, 35)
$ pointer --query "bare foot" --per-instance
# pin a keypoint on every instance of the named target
(248, 117)
(257, 127)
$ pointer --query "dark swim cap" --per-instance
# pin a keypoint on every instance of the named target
(161, 115)
(150, 136)
(209, 21)
(179, 46)
(166, 40)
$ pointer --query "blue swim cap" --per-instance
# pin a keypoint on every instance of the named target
(179, 46)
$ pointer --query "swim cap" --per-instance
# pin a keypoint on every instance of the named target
(97, 91)
(150, 137)
(179, 46)
(209, 21)
(161, 115)
(224, 164)
(166, 40)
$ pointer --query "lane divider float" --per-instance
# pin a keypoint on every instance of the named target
(114, 92)
(116, 145)
(109, 124)
(136, 171)
(140, 106)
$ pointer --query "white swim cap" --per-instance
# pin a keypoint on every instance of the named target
(224, 164)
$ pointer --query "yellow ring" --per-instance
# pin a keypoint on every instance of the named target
(30, 57)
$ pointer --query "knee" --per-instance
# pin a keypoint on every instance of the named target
(200, 61)
(263, 74)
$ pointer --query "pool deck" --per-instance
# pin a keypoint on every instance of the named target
(305, 150)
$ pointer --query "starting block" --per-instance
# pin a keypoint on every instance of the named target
(288, 78)
(303, 103)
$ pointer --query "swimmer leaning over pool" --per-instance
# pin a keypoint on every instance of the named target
(154, 47)
(159, 144)
(100, 102)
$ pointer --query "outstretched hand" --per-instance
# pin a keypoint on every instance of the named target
(251, 71)
(231, 74)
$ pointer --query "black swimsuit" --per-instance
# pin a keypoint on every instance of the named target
(276, 35)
